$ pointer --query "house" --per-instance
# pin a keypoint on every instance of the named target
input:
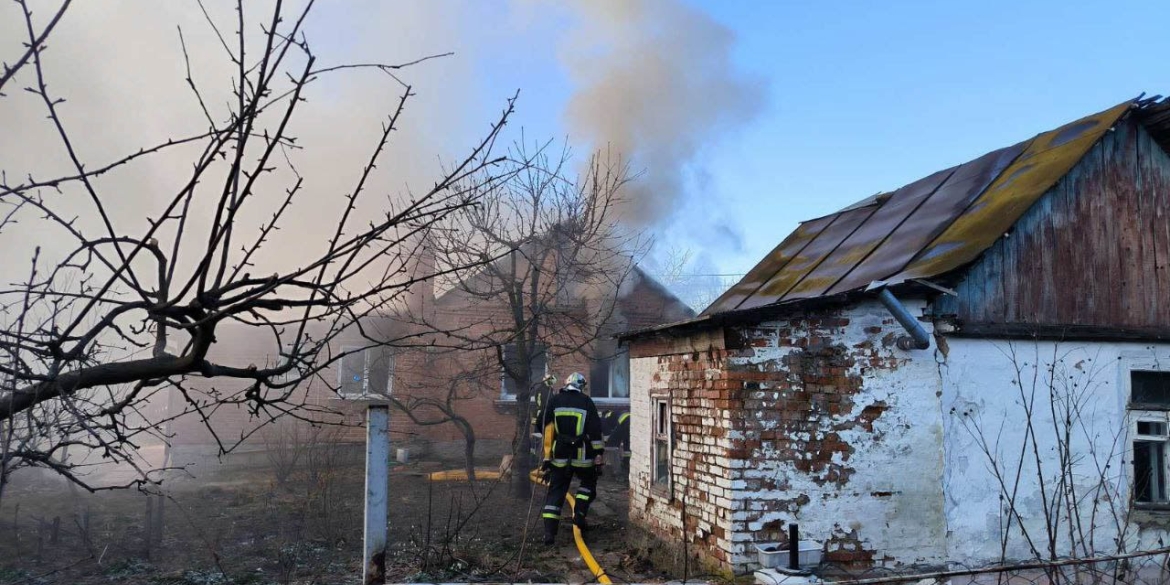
(959, 371)
(486, 397)
(429, 377)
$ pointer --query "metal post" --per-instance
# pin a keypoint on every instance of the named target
(793, 547)
(377, 490)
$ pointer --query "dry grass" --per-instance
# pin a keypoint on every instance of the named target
(241, 526)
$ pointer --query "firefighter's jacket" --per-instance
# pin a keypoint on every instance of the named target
(572, 429)
(541, 393)
(620, 437)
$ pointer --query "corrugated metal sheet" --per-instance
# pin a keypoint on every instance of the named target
(774, 262)
(871, 235)
(927, 228)
(808, 259)
(1046, 159)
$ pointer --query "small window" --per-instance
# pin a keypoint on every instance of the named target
(364, 372)
(288, 351)
(1150, 388)
(1149, 415)
(661, 447)
(537, 369)
(610, 377)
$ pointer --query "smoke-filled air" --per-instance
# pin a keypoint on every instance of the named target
(655, 81)
(291, 291)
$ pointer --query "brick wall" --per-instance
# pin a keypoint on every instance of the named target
(809, 419)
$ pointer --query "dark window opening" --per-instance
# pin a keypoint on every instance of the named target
(1150, 388)
(1149, 471)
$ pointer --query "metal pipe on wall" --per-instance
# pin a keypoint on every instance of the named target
(919, 338)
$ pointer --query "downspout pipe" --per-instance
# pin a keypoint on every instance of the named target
(919, 338)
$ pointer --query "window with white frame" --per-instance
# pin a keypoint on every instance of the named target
(660, 449)
(537, 369)
(1149, 415)
(610, 377)
(365, 371)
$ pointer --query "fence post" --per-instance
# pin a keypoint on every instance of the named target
(377, 488)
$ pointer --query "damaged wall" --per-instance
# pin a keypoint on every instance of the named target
(811, 419)
(836, 416)
(989, 386)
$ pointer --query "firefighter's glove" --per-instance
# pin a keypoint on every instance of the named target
(545, 469)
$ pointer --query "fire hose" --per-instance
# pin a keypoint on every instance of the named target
(598, 572)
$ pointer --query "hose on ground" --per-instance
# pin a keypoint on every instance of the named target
(586, 556)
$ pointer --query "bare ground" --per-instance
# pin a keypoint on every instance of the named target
(242, 527)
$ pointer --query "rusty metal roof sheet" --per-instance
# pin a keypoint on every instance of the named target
(927, 228)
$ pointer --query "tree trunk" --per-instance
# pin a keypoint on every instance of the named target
(468, 446)
(522, 445)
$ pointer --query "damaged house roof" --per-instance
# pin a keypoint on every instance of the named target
(930, 227)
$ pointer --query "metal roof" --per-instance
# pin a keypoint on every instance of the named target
(925, 229)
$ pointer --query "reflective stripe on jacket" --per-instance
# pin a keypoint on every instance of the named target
(571, 419)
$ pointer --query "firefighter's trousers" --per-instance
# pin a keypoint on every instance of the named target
(559, 479)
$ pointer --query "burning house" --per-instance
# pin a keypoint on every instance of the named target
(962, 370)
(442, 391)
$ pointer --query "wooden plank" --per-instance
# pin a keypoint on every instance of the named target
(1155, 184)
(1121, 172)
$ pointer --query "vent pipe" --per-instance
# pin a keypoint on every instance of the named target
(919, 338)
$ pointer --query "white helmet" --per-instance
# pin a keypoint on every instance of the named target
(576, 380)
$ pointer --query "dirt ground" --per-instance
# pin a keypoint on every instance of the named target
(241, 526)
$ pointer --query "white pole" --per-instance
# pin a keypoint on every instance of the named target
(377, 490)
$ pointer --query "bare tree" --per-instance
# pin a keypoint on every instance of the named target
(434, 401)
(1062, 491)
(697, 288)
(553, 258)
(108, 318)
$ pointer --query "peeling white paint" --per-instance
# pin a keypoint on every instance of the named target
(917, 487)
(983, 397)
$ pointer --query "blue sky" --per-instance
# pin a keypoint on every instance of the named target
(860, 97)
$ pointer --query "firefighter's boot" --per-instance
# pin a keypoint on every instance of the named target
(550, 531)
(579, 522)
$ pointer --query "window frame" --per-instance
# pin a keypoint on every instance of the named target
(366, 353)
(660, 433)
(504, 395)
(1137, 412)
(620, 356)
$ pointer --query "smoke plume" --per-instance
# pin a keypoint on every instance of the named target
(656, 84)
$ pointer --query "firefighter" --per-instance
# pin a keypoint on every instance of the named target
(619, 438)
(573, 446)
(541, 392)
(608, 422)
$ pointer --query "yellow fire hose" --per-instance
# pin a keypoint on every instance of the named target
(460, 474)
(586, 556)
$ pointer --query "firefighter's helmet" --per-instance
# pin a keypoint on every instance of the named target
(576, 380)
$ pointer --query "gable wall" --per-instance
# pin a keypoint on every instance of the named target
(1093, 250)
(812, 419)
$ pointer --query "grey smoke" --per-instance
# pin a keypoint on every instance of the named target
(656, 84)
